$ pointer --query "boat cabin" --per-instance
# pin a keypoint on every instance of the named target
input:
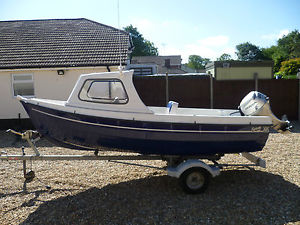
(110, 91)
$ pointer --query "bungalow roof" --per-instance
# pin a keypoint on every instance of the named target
(61, 43)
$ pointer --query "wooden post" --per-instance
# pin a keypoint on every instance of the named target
(211, 91)
(167, 88)
(298, 77)
(255, 75)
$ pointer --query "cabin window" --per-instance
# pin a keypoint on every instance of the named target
(22, 84)
(104, 91)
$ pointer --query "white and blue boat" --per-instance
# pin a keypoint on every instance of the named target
(104, 110)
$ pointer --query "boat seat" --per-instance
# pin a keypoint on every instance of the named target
(172, 107)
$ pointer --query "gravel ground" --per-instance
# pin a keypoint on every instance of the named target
(91, 192)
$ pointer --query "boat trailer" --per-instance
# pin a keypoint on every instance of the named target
(193, 173)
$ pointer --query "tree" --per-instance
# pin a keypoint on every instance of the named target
(248, 52)
(269, 53)
(278, 57)
(197, 62)
(273, 53)
(290, 67)
(224, 57)
(142, 47)
(289, 45)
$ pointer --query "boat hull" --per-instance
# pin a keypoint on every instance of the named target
(160, 138)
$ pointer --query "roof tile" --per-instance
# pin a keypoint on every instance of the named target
(61, 43)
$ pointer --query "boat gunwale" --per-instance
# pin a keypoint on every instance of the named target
(156, 129)
(169, 118)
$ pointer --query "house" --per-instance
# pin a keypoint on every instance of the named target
(43, 58)
(148, 65)
(240, 70)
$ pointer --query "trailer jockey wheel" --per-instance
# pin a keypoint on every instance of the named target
(29, 176)
(194, 180)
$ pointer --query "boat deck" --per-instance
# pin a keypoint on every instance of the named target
(195, 112)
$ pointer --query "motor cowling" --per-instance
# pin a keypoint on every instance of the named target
(257, 104)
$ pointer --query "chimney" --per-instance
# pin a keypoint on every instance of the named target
(167, 63)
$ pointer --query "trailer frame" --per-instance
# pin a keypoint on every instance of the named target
(193, 173)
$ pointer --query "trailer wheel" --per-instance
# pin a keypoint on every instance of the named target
(194, 180)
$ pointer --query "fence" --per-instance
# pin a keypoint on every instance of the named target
(194, 91)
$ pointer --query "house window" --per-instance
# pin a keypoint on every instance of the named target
(22, 84)
(143, 71)
(104, 91)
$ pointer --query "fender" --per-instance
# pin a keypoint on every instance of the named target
(177, 171)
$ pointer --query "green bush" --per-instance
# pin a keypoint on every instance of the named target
(290, 67)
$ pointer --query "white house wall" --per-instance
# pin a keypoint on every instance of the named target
(47, 84)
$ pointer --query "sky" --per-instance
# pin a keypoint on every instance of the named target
(207, 28)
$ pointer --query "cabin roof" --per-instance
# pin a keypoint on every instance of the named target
(61, 43)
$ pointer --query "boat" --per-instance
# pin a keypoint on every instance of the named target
(104, 111)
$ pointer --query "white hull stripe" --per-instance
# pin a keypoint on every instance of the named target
(149, 129)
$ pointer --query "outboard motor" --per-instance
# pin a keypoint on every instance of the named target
(257, 104)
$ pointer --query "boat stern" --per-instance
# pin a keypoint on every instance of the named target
(258, 104)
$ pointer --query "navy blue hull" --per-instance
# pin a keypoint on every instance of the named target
(87, 132)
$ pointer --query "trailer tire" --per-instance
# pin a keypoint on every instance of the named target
(194, 180)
